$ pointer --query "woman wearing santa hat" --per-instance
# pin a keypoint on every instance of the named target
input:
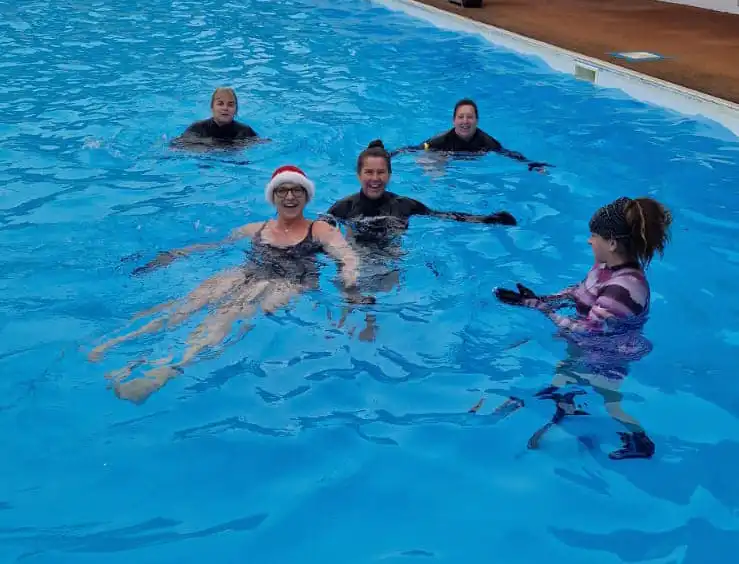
(282, 265)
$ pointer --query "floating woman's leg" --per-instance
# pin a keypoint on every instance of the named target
(155, 309)
(278, 295)
(212, 331)
(215, 328)
(212, 290)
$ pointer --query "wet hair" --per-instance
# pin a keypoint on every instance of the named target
(224, 90)
(649, 222)
(374, 149)
(640, 227)
(465, 102)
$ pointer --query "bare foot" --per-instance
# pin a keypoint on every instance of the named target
(139, 389)
(369, 333)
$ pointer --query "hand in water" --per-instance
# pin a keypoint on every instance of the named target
(502, 218)
(524, 296)
(354, 297)
(539, 167)
(164, 258)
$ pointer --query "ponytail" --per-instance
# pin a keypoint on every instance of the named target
(649, 224)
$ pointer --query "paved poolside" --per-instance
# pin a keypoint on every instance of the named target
(701, 47)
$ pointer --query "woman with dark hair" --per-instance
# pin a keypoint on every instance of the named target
(466, 137)
(611, 308)
(375, 213)
(375, 217)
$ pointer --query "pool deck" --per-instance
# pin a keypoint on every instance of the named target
(700, 47)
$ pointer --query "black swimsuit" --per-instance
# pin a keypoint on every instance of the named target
(295, 263)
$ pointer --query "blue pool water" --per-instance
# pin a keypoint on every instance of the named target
(301, 442)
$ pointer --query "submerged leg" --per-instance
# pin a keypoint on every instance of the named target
(212, 290)
(215, 328)
(564, 402)
(278, 295)
(634, 443)
(212, 331)
(565, 406)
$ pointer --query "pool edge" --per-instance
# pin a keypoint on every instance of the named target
(637, 85)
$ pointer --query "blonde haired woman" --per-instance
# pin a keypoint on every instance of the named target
(221, 128)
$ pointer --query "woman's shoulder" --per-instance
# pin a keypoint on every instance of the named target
(250, 229)
(321, 226)
(244, 129)
(200, 124)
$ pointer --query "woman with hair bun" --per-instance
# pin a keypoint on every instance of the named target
(377, 213)
(376, 216)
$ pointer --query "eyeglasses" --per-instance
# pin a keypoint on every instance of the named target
(283, 191)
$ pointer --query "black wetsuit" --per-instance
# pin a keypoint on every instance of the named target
(480, 142)
(208, 131)
(388, 215)
(450, 141)
(295, 263)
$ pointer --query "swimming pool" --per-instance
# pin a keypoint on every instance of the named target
(301, 442)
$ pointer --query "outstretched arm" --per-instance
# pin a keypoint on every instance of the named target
(409, 148)
(502, 218)
(516, 156)
(167, 257)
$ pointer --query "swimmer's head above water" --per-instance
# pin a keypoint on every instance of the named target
(465, 118)
(224, 105)
(289, 190)
(629, 230)
(374, 170)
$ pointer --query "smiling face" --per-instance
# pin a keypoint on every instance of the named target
(290, 200)
(465, 121)
(374, 176)
(223, 106)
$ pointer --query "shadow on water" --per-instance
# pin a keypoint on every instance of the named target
(154, 531)
(699, 541)
(681, 468)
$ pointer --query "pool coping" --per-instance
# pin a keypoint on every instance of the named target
(601, 73)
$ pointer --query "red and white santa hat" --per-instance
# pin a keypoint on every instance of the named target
(288, 174)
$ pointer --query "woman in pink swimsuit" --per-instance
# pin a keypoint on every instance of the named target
(611, 307)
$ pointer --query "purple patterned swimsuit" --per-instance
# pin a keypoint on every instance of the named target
(612, 306)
